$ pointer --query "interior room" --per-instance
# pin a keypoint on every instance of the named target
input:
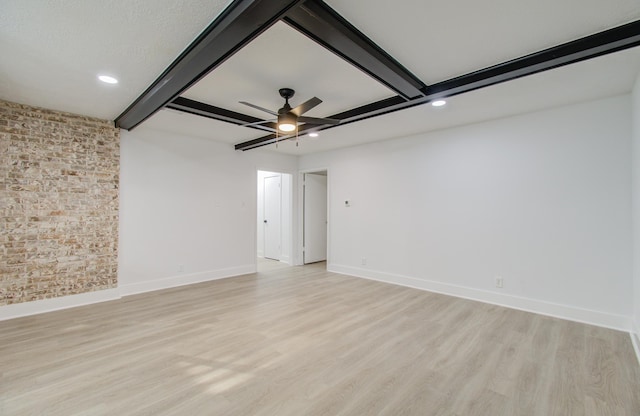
(320, 207)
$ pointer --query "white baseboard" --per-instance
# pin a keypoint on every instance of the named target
(49, 305)
(618, 322)
(18, 310)
(607, 320)
(185, 279)
(635, 338)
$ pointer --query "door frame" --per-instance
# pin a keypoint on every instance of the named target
(299, 259)
(278, 178)
(292, 217)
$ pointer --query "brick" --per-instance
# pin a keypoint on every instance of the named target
(59, 181)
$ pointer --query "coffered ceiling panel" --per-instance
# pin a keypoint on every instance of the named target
(282, 57)
(438, 40)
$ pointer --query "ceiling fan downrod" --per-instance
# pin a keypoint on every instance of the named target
(286, 93)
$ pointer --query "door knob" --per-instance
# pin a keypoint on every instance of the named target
(265, 221)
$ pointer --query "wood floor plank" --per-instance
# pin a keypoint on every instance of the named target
(303, 341)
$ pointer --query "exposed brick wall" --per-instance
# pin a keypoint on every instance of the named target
(58, 203)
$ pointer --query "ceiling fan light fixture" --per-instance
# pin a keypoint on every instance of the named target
(286, 122)
(286, 127)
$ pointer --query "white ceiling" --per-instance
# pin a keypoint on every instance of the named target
(53, 50)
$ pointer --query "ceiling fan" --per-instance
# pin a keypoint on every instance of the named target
(287, 117)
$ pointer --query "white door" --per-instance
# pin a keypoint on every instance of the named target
(315, 218)
(272, 214)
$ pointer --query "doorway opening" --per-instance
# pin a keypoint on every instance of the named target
(274, 220)
(314, 217)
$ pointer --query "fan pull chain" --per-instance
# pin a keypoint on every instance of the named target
(297, 141)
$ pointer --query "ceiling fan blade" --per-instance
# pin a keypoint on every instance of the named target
(306, 106)
(315, 120)
(257, 107)
(255, 123)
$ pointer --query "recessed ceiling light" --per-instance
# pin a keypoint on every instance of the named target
(313, 134)
(438, 103)
(107, 79)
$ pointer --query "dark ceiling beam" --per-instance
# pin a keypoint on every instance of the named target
(236, 26)
(602, 43)
(589, 47)
(325, 26)
(267, 140)
(205, 110)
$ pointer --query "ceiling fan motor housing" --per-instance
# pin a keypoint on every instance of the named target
(286, 93)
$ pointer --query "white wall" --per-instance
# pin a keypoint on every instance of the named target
(542, 199)
(636, 211)
(187, 209)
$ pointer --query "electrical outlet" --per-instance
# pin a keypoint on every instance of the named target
(499, 282)
(364, 261)
(180, 268)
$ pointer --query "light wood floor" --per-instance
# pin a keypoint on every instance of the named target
(302, 341)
